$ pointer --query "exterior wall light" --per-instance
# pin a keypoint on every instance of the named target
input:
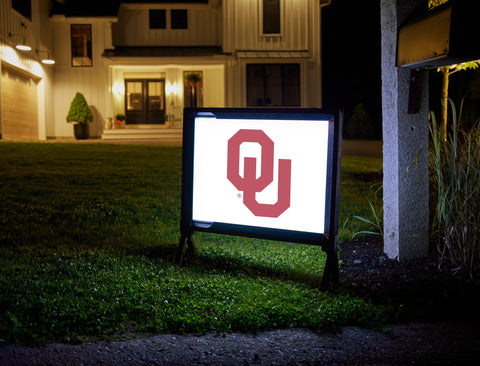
(118, 89)
(47, 60)
(22, 45)
(172, 89)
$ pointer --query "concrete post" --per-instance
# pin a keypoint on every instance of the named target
(405, 184)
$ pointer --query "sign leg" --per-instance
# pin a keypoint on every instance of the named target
(331, 272)
(185, 247)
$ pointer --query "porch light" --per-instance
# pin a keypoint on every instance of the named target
(118, 88)
(22, 45)
(172, 88)
(47, 60)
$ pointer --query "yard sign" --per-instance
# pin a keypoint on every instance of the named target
(265, 173)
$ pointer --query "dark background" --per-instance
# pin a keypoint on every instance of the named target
(351, 51)
(351, 59)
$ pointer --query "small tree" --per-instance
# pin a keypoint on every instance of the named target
(446, 72)
(359, 125)
(79, 110)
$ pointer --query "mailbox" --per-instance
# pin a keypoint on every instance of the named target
(445, 35)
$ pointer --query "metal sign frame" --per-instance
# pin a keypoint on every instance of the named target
(328, 239)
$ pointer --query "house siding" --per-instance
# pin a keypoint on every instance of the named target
(91, 81)
(243, 27)
(37, 33)
(233, 26)
(298, 42)
(132, 29)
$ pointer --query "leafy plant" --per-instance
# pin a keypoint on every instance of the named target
(435, 3)
(376, 222)
(192, 79)
(446, 72)
(455, 178)
(79, 110)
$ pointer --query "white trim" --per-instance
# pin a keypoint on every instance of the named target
(282, 21)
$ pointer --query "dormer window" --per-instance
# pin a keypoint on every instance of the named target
(168, 19)
(81, 45)
(158, 19)
(179, 18)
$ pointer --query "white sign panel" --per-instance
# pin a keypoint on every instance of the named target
(258, 172)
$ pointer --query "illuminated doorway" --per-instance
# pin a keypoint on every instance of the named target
(145, 101)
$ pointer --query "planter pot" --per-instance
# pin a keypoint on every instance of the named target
(81, 131)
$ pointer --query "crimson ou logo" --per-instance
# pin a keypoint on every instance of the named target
(249, 183)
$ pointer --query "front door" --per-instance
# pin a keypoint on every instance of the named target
(145, 101)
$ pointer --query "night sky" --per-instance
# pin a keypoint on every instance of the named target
(351, 58)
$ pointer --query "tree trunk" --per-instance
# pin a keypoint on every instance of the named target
(444, 115)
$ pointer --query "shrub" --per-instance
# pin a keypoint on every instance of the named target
(79, 110)
(455, 181)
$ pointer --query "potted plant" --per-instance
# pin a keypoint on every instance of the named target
(81, 115)
(120, 121)
(192, 81)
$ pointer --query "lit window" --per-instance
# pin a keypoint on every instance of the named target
(81, 45)
(145, 101)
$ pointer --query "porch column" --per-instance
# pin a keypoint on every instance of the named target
(405, 184)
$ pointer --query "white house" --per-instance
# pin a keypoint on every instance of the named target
(147, 60)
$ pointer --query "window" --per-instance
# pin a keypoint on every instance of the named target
(81, 45)
(271, 85)
(158, 19)
(271, 17)
(24, 7)
(179, 18)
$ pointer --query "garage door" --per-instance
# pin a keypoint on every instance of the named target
(19, 117)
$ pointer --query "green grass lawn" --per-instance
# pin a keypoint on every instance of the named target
(88, 234)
